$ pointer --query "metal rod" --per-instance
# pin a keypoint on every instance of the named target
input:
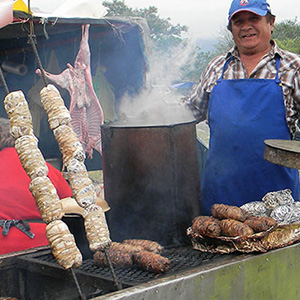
(82, 296)
(3, 81)
(112, 271)
(32, 42)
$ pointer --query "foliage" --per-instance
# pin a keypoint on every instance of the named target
(167, 38)
(288, 29)
(287, 35)
(224, 42)
(292, 45)
(164, 35)
(193, 70)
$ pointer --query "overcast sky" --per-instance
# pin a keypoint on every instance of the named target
(205, 18)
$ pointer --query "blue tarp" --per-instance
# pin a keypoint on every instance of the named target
(118, 46)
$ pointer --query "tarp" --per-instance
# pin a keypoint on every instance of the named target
(6, 12)
(68, 9)
(119, 64)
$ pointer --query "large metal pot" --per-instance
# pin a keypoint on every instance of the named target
(151, 178)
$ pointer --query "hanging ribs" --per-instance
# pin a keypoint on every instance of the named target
(85, 109)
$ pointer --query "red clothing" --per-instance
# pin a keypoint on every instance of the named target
(17, 202)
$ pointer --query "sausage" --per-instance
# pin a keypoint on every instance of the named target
(130, 249)
(54, 106)
(151, 262)
(96, 228)
(259, 224)
(18, 112)
(146, 244)
(223, 211)
(205, 225)
(233, 228)
(63, 245)
(118, 258)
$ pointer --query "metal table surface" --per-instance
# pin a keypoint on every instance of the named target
(272, 275)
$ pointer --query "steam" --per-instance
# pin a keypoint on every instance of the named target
(159, 104)
(154, 107)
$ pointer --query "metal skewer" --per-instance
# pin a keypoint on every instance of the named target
(112, 270)
(82, 296)
(3, 81)
(31, 39)
(32, 42)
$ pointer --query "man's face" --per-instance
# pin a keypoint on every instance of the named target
(251, 32)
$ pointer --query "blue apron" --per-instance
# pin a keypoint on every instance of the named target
(242, 114)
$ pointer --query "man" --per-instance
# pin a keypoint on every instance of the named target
(250, 94)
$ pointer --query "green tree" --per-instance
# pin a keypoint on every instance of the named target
(196, 66)
(288, 29)
(168, 42)
(164, 34)
(224, 42)
(287, 35)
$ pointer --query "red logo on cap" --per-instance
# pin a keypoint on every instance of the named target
(244, 2)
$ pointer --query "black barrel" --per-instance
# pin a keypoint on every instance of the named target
(151, 178)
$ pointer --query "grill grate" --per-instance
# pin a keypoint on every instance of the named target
(182, 259)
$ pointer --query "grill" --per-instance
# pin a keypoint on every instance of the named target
(95, 281)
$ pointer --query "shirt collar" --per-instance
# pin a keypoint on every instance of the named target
(274, 50)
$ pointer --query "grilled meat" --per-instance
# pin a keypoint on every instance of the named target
(73, 158)
(46, 198)
(233, 228)
(63, 245)
(205, 225)
(146, 244)
(19, 114)
(130, 249)
(151, 262)
(223, 211)
(96, 228)
(259, 224)
(117, 258)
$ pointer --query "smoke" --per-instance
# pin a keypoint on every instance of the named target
(153, 107)
(159, 104)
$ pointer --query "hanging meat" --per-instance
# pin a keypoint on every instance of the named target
(61, 240)
(86, 112)
(73, 158)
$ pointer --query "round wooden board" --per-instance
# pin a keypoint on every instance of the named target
(283, 152)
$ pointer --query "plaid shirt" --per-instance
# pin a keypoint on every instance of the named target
(289, 74)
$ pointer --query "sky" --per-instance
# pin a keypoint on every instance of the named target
(205, 18)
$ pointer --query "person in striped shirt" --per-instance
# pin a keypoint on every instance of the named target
(247, 95)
